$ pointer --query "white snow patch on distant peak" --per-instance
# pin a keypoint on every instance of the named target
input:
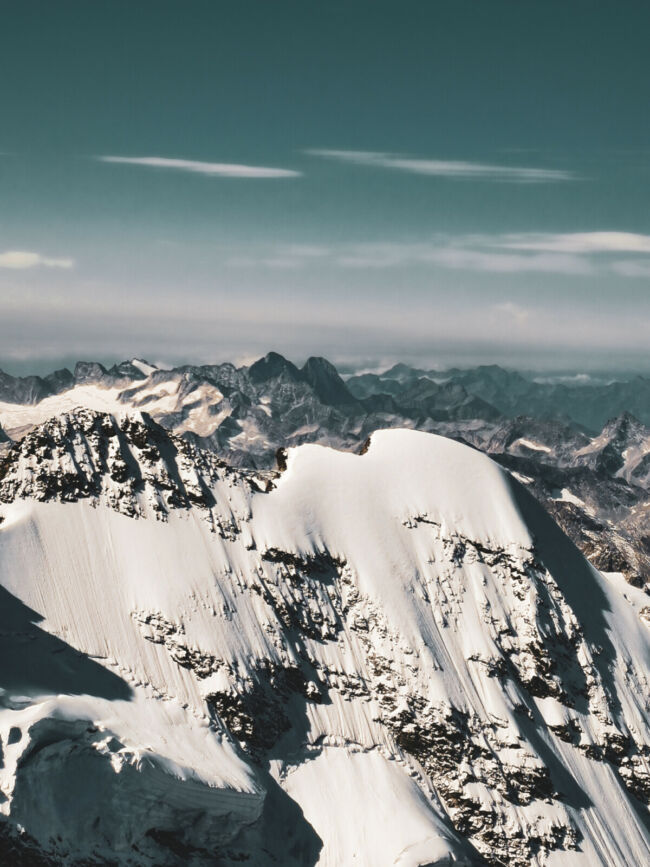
(530, 444)
(143, 366)
(566, 496)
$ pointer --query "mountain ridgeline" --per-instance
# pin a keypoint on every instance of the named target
(484, 392)
(583, 448)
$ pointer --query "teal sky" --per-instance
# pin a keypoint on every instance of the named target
(444, 181)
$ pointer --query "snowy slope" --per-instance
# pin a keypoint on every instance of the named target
(390, 658)
(190, 408)
(19, 418)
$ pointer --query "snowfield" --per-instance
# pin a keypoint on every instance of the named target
(393, 658)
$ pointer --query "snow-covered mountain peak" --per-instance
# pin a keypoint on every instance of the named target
(405, 475)
(398, 644)
(125, 460)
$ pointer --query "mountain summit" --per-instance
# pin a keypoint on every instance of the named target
(395, 658)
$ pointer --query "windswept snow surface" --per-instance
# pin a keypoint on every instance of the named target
(393, 658)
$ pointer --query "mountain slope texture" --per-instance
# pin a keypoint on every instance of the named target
(386, 658)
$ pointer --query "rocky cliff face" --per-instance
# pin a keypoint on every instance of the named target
(395, 657)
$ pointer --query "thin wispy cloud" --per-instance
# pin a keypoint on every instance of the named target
(20, 260)
(513, 311)
(456, 255)
(288, 257)
(454, 169)
(579, 242)
(632, 268)
(221, 170)
(577, 254)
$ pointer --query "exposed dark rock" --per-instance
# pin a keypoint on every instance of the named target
(271, 366)
(326, 382)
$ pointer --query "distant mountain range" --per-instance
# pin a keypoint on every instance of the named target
(486, 392)
(583, 449)
(511, 394)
